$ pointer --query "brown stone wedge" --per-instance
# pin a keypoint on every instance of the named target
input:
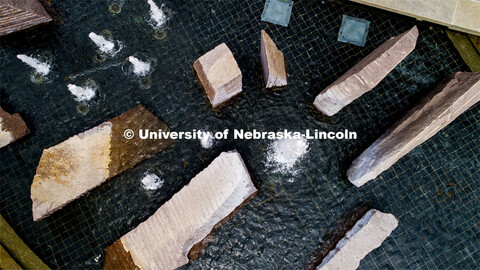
(12, 128)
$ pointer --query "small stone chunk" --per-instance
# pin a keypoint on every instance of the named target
(273, 63)
(219, 74)
(12, 128)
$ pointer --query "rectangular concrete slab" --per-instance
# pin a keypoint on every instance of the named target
(366, 235)
(456, 94)
(172, 236)
(461, 15)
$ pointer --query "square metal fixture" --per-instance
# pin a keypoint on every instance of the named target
(353, 31)
(277, 11)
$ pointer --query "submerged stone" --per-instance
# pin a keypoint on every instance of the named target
(277, 11)
(366, 235)
(219, 74)
(16, 15)
(353, 31)
(84, 161)
(366, 74)
(173, 234)
(273, 63)
(12, 128)
(447, 101)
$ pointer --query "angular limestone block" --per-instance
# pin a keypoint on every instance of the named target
(12, 128)
(84, 161)
(366, 74)
(17, 15)
(366, 235)
(273, 63)
(219, 74)
(447, 101)
(166, 239)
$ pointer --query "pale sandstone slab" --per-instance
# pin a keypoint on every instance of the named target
(366, 74)
(273, 62)
(17, 15)
(366, 235)
(219, 74)
(12, 128)
(447, 101)
(461, 15)
(84, 161)
(165, 240)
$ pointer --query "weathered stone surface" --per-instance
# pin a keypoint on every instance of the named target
(219, 74)
(366, 74)
(447, 101)
(12, 128)
(17, 15)
(165, 240)
(366, 235)
(273, 62)
(461, 15)
(77, 165)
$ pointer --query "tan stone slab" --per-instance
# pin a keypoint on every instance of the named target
(467, 16)
(461, 15)
(17, 15)
(366, 74)
(273, 62)
(219, 74)
(439, 11)
(70, 169)
(165, 240)
(366, 235)
(447, 101)
(12, 128)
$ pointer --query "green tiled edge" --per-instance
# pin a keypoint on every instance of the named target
(18, 249)
(467, 50)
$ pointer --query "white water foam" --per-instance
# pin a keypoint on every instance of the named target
(40, 67)
(157, 15)
(283, 154)
(84, 93)
(152, 182)
(207, 139)
(140, 68)
(104, 45)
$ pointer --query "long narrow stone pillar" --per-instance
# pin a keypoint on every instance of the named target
(366, 235)
(68, 170)
(366, 74)
(170, 237)
(447, 101)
